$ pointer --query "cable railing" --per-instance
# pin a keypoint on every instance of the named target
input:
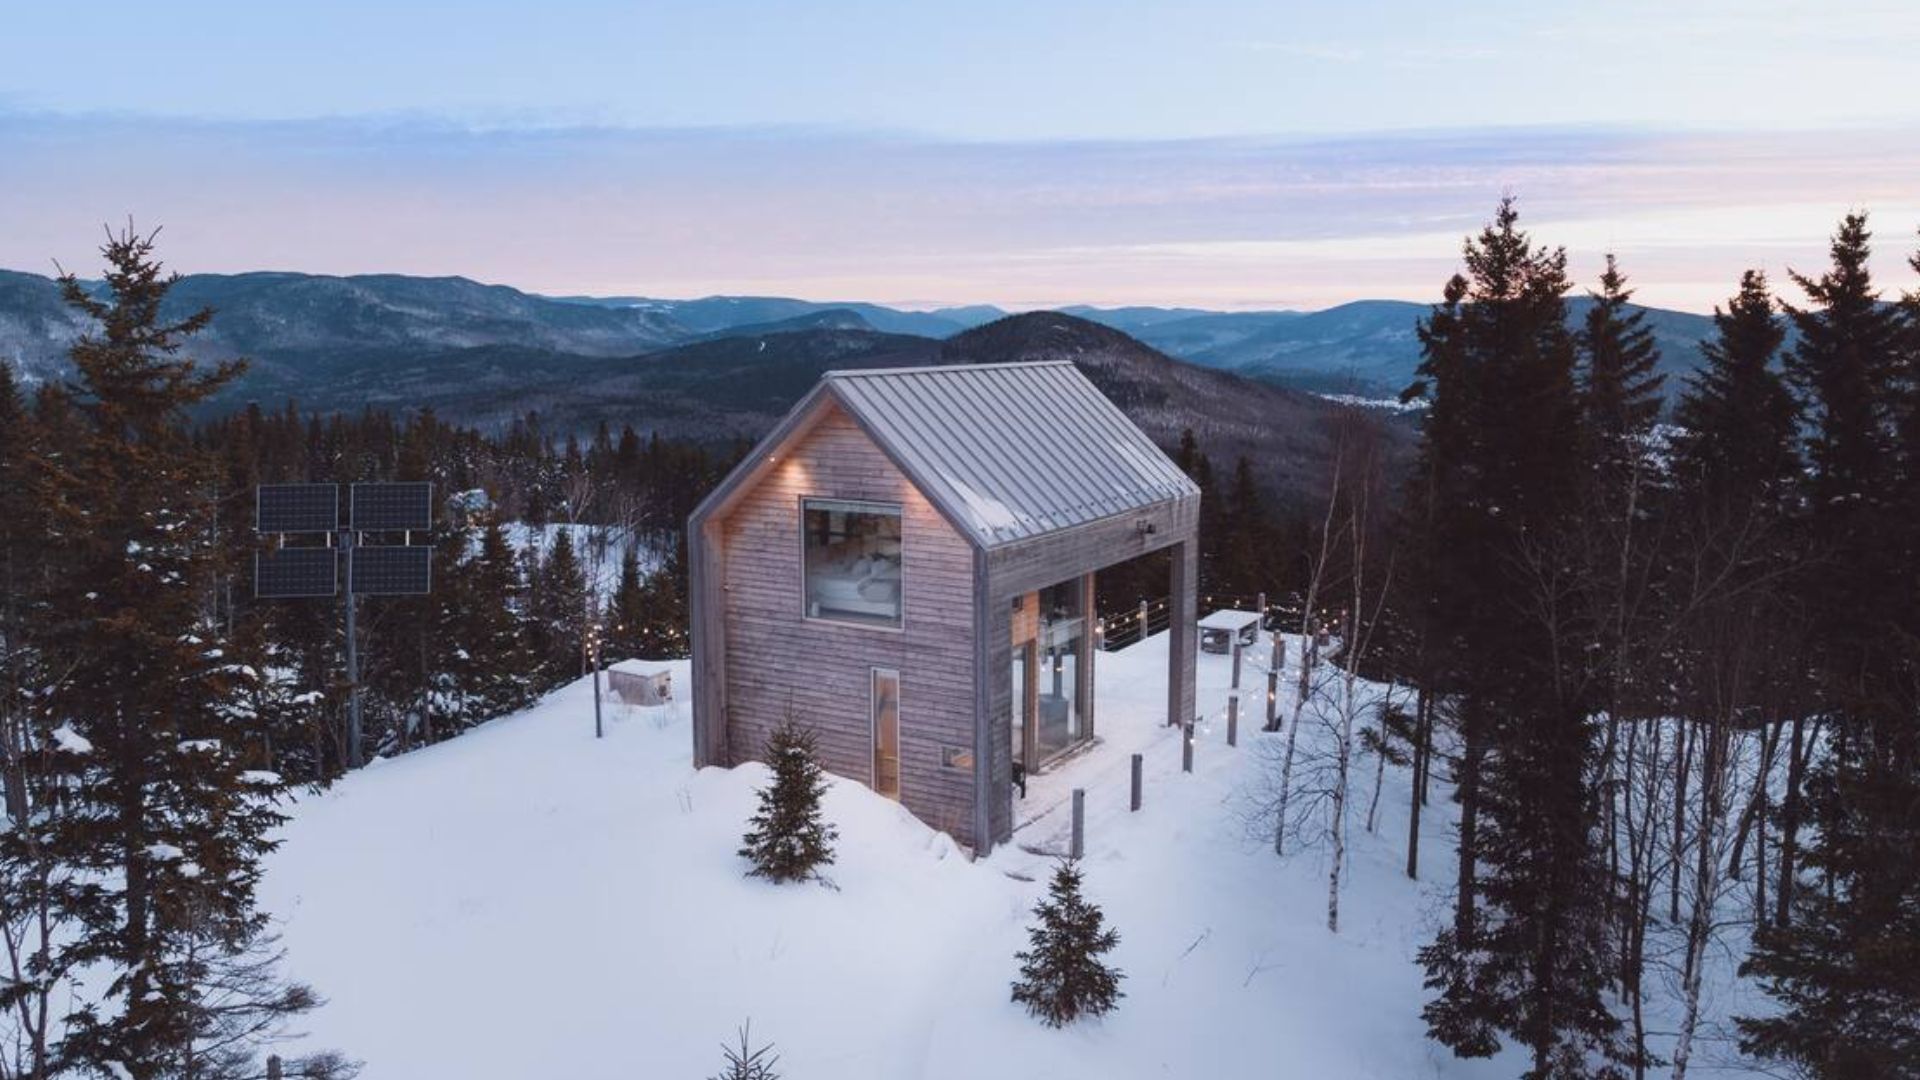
(1120, 629)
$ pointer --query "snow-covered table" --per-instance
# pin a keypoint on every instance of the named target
(1219, 629)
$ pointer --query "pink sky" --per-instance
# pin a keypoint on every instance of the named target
(1225, 223)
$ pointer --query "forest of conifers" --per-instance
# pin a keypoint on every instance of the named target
(1663, 643)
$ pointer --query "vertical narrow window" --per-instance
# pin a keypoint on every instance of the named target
(852, 557)
(886, 732)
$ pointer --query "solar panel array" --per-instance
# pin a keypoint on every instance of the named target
(297, 508)
(392, 571)
(295, 572)
(396, 507)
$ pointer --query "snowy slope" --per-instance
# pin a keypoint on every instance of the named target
(527, 902)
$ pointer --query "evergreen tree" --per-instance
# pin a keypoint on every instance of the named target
(748, 1062)
(1619, 386)
(167, 820)
(494, 626)
(662, 630)
(1062, 977)
(21, 551)
(1845, 964)
(787, 838)
(1738, 420)
(627, 610)
(1241, 569)
(559, 612)
(1499, 486)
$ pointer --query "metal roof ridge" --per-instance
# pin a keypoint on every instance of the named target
(935, 369)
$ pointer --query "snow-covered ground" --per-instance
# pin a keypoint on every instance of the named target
(526, 901)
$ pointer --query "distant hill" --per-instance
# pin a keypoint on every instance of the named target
(824, 319)
(282, 319)
(734, 388)
(1367, 347)
(714, 314)
(1286, 434)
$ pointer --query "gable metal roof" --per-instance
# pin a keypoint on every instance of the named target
(1011, 451)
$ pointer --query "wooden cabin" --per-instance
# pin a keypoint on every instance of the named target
(906, 566)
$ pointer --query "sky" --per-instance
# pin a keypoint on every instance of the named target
(1213, 153)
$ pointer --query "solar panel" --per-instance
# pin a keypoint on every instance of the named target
(393, 507)
(297, 508)
(395, 570)
(294, 572)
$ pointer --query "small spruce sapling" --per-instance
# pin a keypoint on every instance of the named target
(787, 839)
(1061, 975)
(747, 1062)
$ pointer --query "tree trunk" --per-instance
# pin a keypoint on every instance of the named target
(1682, 769)
(1736, 862)
(1421, 762)
(1467, 788)
(1380, 765)
(1790, 822)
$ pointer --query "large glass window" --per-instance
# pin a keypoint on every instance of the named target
(1063, 645)
(852, 554)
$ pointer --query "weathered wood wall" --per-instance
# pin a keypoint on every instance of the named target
(775, 660)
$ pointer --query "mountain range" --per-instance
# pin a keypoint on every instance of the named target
(724, 368)
(299, 327)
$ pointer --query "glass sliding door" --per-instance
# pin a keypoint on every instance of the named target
(1059, 719)
(886, 732)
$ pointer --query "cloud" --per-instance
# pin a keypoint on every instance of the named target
(840, 215)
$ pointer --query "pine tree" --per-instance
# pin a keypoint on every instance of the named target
(20, 556)
(748, 1062)
(559, 612)
(627, 610)
(1737, 418)
(494, 626)
(1062, 976)
(164, 802)
(1619, 386)
(1845, 965)
(1500, 479)
(787, 838)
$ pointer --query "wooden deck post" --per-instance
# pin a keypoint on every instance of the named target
(1273, 684)
(1079, 846)
(1083, 671)
(1135, 801)
(1186, 747)
(1233, 718)
(1182, 631)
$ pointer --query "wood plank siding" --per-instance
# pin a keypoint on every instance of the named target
(771, 660)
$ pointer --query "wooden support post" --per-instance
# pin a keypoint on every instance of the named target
(1260, 608)
(1186, 747)
(1143, 620)
(1079, 847)
(1233, 719)
(1137, 764)
(1273, 683)
(273, 1067)
(1236, 659)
